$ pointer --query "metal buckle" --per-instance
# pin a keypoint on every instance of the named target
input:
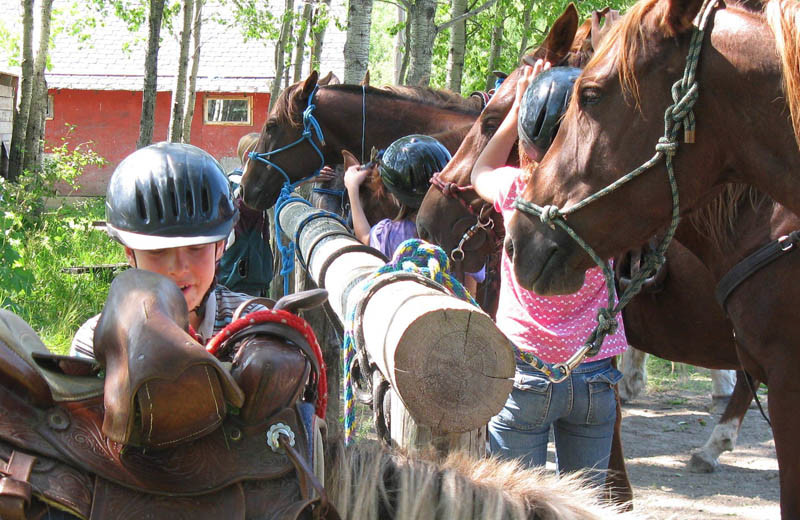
(785, 243)
(274, 433)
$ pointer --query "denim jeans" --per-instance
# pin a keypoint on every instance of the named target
(581, 409)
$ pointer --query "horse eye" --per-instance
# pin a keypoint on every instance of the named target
(271, 125)
(590, 96)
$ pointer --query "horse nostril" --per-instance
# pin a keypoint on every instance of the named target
(423, 234)
(508, 244)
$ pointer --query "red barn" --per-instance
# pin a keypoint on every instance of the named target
(95, 89)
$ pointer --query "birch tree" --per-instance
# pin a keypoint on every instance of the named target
(458, 44)
(17, 152)
(38, 105)
(191, 94)
(401, 54)
(319, 22)
(356, 45)
(146, 121)
(175, 132)
(299, 43)
(423, 32)
(527, 18)
(497, 43)
(280, 51)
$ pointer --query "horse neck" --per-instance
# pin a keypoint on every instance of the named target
(755, 140)
(350, 121)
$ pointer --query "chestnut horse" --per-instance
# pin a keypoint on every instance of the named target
(310, 124)
(614, 119)
(667, 321)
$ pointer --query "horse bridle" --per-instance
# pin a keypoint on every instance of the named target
(483, 217)
(684, 95)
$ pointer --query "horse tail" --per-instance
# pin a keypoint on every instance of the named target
(783, 16)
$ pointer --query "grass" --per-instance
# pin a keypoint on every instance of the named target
(56, 303)
(663, 375)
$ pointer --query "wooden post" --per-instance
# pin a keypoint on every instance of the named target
(446, 360)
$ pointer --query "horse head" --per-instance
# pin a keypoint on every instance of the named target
(289, 148)
(614, 121)
(445, 219)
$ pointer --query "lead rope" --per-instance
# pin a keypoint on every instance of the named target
(684, 95)
(412, 256)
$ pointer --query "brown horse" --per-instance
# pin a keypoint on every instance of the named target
(310, 125)
(655, 322)
(614, 118)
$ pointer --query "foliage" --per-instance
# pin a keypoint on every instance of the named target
(36, 243)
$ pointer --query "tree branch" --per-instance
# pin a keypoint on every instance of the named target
(464, 16)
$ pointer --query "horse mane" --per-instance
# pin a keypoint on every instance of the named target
(369, 482)
(716, 221)
(282, 110)
(438, 97)
(783, 16)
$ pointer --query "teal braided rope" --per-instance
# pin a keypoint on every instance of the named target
(685, 93)
(415, 256)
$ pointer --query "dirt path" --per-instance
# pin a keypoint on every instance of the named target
(660, 429)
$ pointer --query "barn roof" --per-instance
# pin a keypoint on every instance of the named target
(112, 58)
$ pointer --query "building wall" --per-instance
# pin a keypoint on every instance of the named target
(109, 121)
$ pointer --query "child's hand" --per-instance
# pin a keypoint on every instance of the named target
(526, 78)
(326, 174)
(354, 177)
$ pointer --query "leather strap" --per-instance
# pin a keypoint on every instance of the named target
(753, 263)
(15, 489)
(309, 482)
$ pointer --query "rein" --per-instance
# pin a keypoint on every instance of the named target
(684, 94)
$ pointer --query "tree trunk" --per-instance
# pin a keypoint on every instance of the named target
(280, 51)
(527, 8)
(300, 46)
(458, 43)
(38, 107)
(400, 51)
(423, 33)
(356, 46)
(318, 24)
(497, 43)
(191, 94)
(17, 152)
(175, 134)
(406, 51)
(150, 73)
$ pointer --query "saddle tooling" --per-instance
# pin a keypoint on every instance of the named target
(170, 431)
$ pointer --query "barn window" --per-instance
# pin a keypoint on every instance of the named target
(228, 110)
(49, 112)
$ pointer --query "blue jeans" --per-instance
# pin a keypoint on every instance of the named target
(581, 409)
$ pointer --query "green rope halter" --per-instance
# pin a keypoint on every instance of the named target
(684, 96)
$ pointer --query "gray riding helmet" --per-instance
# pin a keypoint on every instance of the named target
(543, 104)
(169, 195)
(408, 164)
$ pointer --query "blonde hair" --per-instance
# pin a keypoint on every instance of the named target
(246, 145)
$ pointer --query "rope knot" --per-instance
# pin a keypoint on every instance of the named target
(667, 145)
(606, 322)
(549, 213)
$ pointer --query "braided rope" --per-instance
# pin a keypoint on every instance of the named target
(412, 256)
(685, 93)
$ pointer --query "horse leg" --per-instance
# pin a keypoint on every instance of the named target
(782, 404)
(723, 437)
(722, 385)
(618, 486)
(634, 371)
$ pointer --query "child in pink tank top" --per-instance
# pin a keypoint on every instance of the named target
(581, 410)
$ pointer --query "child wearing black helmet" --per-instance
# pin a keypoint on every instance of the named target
(581, 410)
(170, 207)
(406, 168)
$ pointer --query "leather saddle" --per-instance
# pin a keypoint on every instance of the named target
(157, 427)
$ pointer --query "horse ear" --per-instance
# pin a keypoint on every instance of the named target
(365, 81)
(326, 79)
(309, 84)
(349, 159)
(559, 40)
(680, 14)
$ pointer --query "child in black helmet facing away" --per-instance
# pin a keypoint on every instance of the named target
(170, 207)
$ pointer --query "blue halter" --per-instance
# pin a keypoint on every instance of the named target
(310, 128)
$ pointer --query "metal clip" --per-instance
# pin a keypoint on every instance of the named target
(274, 433)
(786, 243)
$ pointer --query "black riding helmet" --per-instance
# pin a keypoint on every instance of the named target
(542, 107)
(408, 164)
(169, 195)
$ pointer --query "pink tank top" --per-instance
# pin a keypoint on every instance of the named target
(552, 327)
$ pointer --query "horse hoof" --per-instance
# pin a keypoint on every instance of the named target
(698, 463)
